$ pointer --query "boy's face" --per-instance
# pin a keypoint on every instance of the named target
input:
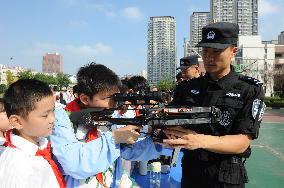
(102, 99)
(4, 122)
(39, 122)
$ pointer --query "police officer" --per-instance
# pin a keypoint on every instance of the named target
(189, 67)
(214, 153)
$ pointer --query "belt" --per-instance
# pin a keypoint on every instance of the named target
(235, 160)
(203, 156)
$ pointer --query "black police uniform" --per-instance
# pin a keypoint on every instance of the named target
(240, 100)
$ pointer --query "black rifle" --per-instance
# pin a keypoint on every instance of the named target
(160, 117)
(156, 117)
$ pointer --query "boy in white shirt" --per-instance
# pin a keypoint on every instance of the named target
(27, 160)
(4, 125)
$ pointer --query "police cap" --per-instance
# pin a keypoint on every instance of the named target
(219, 35)
(188, 61)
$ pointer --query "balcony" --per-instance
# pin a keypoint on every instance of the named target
(279, 61)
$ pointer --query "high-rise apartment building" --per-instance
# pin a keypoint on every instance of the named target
(254, 17)
(197, 21)
(242, 12)
(281, 38)
(52, 63)
(161, 55)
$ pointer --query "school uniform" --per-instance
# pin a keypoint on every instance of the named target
(26, 165)
(2, 147)
(81, 161)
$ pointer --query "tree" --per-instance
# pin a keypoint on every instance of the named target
(279, 80)
(10, 77)
(3, 88)
(26, 75)
(40, 76)
(166, 84)
(62, 80)
(51, 80)
(48, 79)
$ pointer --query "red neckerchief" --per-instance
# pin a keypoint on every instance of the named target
(46, 154)
(137, 113)
(8, 142)
(74, 106)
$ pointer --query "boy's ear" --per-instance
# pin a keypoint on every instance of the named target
(234, 50)
(84, 99)
(16, 122)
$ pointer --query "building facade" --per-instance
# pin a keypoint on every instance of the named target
(13, 71)
(161, 54)
(242, 12)
(281, 38)
(197, 21)
(279, 70)
(257, 60)
(52, 63)
(144, 73)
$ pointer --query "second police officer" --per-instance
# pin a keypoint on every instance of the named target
(214, 154)
(189, 67)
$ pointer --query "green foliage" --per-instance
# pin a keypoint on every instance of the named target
(62, 80)
(26, 75)
(49, 79)
(237, 67)
(166, 85)
(40, 76)
(3, 88)
(278, 104)
(274, 102)
(10, 77)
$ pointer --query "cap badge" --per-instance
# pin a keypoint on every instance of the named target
(195, 92)
(210, 35)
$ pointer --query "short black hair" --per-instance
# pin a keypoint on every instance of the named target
(124, 85)
(76, 89)
(138, 83)
(2, 108)
(94, 78)
(55, 88)
(179, 76)
(21, 96)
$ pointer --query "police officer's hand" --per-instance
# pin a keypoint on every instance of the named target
(181, 137)
(128, 134)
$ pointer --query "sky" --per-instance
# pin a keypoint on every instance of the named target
(109, 32)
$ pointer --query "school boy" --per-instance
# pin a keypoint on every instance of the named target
(91, 158)
(4, 125)
(27, 160)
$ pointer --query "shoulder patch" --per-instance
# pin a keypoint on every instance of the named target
(251, 80)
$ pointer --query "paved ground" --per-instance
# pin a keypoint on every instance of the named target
(266, 164)
(274, 116)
